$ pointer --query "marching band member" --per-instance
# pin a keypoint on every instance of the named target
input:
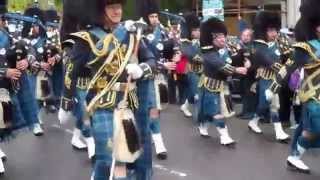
(306, 55)
(190, 45)
(155, 34)
(108, 83)
(266, 54)
(214, 102)
(34, 35)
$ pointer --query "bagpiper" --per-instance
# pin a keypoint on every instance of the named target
(82, 134)
(266, 57)
(190, 45)
(110, 51)
(156, 35)
(305, 58)
(214, 103)
(55, 60)
(35, 36)
(17, 102)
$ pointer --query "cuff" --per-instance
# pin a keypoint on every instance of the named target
(275, 87)
(276, 67)
(3, 72)
(229, 69)
(66, 104)
(57, 57)
(147, 71)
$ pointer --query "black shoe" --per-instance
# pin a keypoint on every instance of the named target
(246, 116)
(51, 109)
(4, 158)
(284, 141)
(162, 156)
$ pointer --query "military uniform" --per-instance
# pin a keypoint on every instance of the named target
(53, 41)
(266, 57)
(190, 47)
(107, 87)
(214, 100)
(156, 35)
(306, 55)
(36, 43)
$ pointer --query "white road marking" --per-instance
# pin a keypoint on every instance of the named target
(156, 166)
(170, 171)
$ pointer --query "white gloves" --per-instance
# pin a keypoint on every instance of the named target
(64, 116)
(269, 94)
(134, 70)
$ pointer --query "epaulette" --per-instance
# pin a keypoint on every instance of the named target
(261, 41)
(82, 35)
(68, 42)
(185, 40)
(305, 46)
(87, 37)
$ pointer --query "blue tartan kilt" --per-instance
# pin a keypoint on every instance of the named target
(32, 80)
(209, 105)
(144, 163)
(57, 80)
(151, 93)
(311, 117)
(26, 103)
(23, 110)
(193, 89)
(263, 109)
(79, 112)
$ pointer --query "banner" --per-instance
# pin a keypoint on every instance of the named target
(212, 8)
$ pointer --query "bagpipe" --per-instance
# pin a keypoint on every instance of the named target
(44, 82)
(20, 17)
(175, 24)
(17, 52)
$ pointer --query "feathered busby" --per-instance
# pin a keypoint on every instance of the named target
(191, 22)
(149, 7)
(36, 13)
(263, 21)
(310, 18)
(209, 28)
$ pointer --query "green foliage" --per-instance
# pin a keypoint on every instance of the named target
(20, 5)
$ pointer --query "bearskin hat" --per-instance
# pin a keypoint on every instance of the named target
(263, 21)
(192, 22)
(149, 7)
(71, 18)
(209, 28)
(51, 15)
(33, 12)
(3, 6)
(309, 20)
(93, 9)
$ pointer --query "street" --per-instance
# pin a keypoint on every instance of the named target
(191, 157)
